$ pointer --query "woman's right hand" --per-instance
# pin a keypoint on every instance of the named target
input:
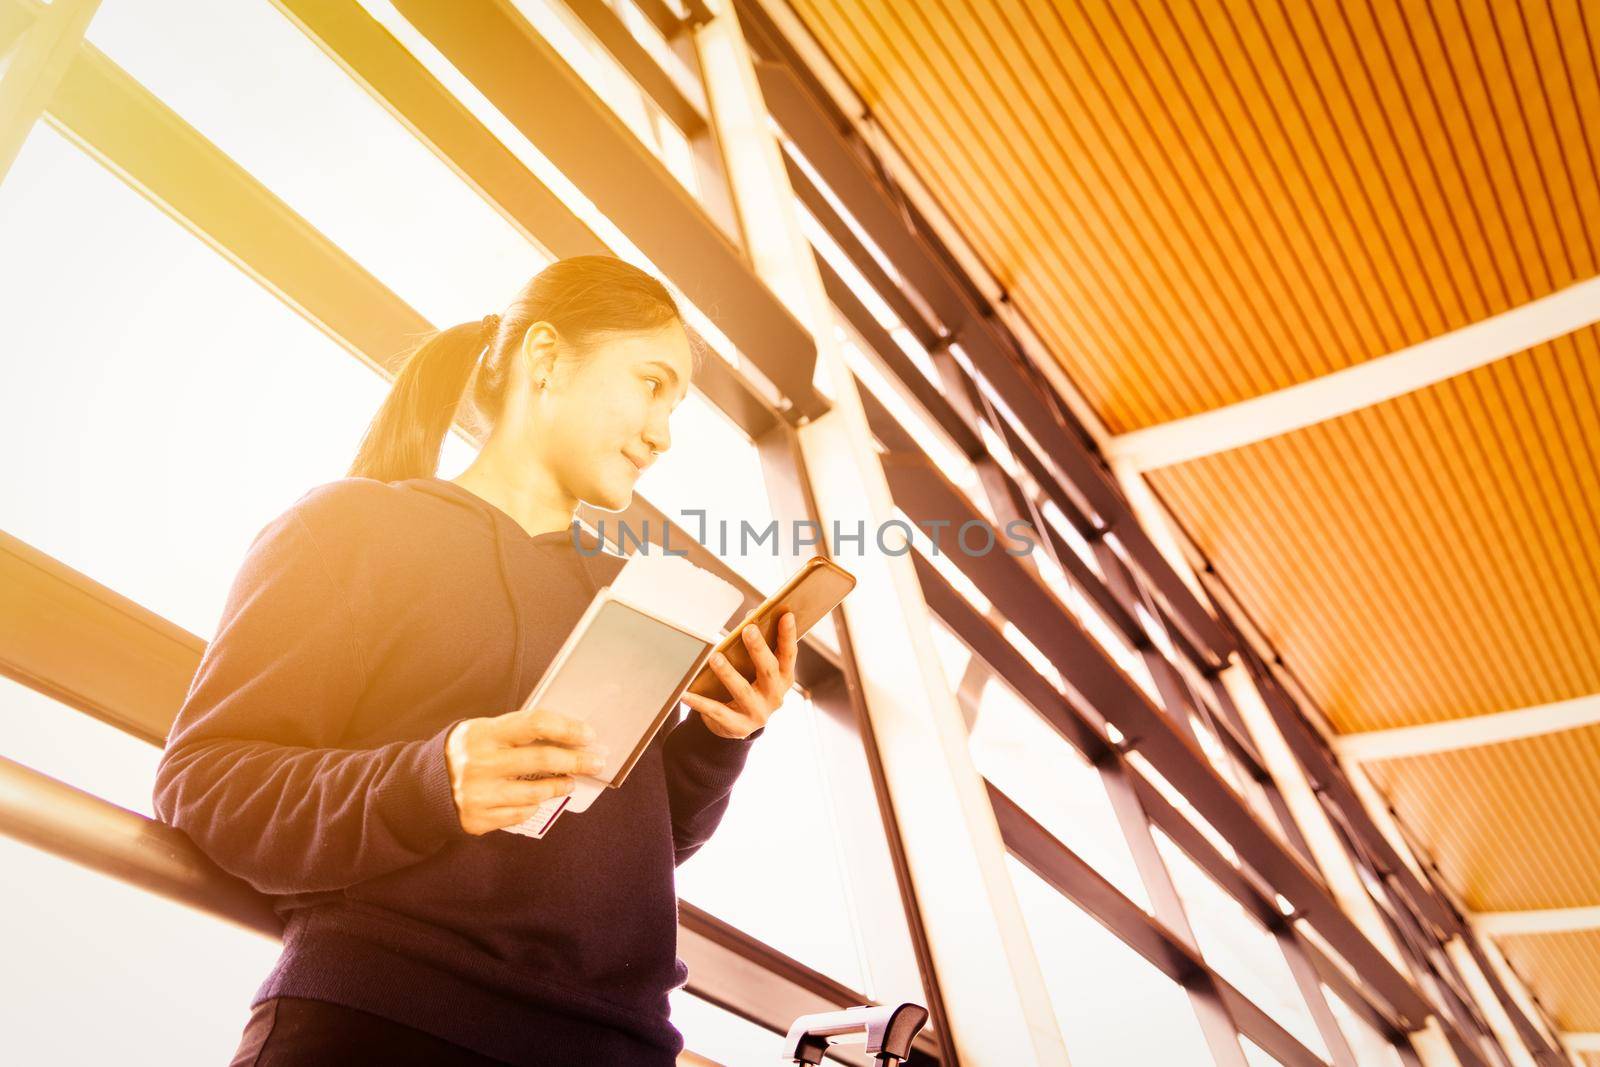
(489, 759)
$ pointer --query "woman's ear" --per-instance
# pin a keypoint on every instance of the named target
(538, 354)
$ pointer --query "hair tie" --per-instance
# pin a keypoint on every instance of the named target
(489, 327)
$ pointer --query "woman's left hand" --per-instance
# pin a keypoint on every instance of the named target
(753, 701)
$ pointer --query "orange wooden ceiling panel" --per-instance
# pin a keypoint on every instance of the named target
(1199, 202)
(1572, 960)
(1511, 823)
(1429, 558)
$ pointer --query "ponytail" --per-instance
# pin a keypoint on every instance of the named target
(405, 437)
(584, 298)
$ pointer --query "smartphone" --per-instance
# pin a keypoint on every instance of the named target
(814, 590)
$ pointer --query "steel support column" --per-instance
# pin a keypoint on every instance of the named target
(997, 1006)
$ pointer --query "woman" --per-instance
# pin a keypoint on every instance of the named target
(352, 740)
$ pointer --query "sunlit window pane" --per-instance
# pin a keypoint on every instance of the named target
(774, 867)
(610, 81)
(1171, 795)
(172, 421)
(72, 747)
(723, 1037)
(1080, 548)
(910, 415)
(720, 1035)
(99, 972)
(1369, 1046)
(939, 556)
(1240, 949)
(684, 74)
(857, 230)
(1255, 1056)
(1049, 779)
(263, 92)
(704, 439)
(1113, 1007)
(954, 654)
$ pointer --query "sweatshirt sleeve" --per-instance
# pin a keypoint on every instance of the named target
(701, 768)
(252, 771)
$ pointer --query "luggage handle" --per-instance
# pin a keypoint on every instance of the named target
(888, 1031)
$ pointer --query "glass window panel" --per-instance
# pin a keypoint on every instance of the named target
(1049, 779)
(552, 177)
(718, 1034)
(704, 439)
(845, 267)
(1114, 1008)
(725, 1038)
(40, 732)
(1254, 1055)
(645, 32)
(1033, 654)
(861, 235)
(910, 415)
(953, 652)
(116, 974)
(774, 867)
(174, 420)
(678, 154)
(1371, 1049)
(1069, 533)
(264, 93)
(1216, 753)
(1170, 794)
(940, 559)
(609, 79)
(1243, 951)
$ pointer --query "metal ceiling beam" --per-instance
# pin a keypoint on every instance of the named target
(820, 132)
(138, 138)
(1076, 880)
(529, 82)
(1542, 921)
(64, 634)
(436, 117)
(673, 99)
(1363, 385)
(32, 64)
(1469, 732)
(78, 642)
(994, 997)
(1581, 1041)
(923, 494)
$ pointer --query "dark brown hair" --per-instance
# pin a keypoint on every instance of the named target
(584, 298)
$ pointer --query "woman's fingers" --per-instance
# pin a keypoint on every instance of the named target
(788, 645)
(716, 714)
(535, 724)
(730, 676)
(514, 793)
(545, 759)
(766, 663)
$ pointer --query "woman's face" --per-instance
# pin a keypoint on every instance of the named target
(603, 413)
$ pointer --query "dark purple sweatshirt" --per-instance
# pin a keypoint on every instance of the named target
(308, 759)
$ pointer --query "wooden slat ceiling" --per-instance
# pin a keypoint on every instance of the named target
(1195, 202)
